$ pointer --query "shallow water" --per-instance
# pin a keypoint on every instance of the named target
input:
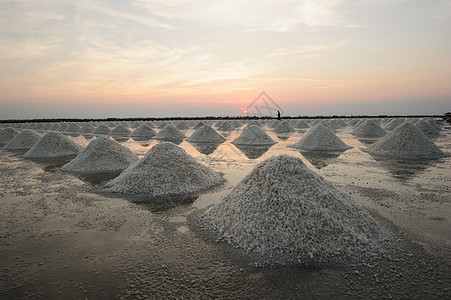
(61, 237)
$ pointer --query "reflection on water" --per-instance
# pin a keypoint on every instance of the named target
(206, 148)
(320, 159)
(404, 169)
(253, 152)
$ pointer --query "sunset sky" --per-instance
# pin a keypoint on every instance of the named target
(111, 58)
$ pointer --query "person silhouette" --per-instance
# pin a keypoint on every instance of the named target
(278, 115)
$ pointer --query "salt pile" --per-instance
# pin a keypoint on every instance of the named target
(87, 128)
(143, 131)
(225, 126)
(23, 141)
(321, 138)
(282, 206)
(301, 125)
(393, 124)
(8, 134)
(406, 141)
(165, 171)
(170, 134)
(283, 127)
(182, 126)
(206, 134)
(102, 155)
(426, 128)
(369, 129)
(102, 129)
(121, 130)
(199, 125)
(253, 135)
(73, 127)
(53, 145)
(63, 127)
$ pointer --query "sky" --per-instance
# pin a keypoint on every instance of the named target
(158, 58)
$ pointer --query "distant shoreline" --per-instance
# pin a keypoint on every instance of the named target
(109, 119)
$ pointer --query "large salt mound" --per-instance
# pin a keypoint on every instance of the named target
(206, 134)
(53, 145)
(369, 129)
(102, 155)
(23, 141)
(406, 141)
(102, 129)
(170, 134)
(182, 126)
(283, 207)
(8, 134)
(73, 127)
(283, 127)
(87, 128)
(143, 131)
(253, 135)
(165, 171)
(321, 138)
(121, 130)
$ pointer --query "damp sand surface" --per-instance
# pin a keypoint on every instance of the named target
(61, 237)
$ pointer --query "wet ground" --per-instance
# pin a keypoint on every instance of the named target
(61, 237)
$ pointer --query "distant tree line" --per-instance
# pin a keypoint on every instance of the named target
(446, 117)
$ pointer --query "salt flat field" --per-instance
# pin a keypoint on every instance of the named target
(233, 209)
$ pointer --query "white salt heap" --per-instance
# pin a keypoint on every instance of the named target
(170, 134)
(283, 207)
(321, 138)
(23, 141)
(253, 135)
(426, 128)
(102, 129)
(283, 127)
(206, 134)
(121, 130)
(73, 127)
(393, 124)
(301, 125)
(226, 126)
(165, 171)
(143, 131)
(87, 128)
(369, 129)
(8, 134)
(102, 155)
(406, 141)
(53, 145)
(182, 126)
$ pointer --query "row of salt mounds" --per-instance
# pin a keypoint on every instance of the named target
(321, 138)
(284, 127)
(87, 128)
(182, 126)
(427, 129)
(253, 135)
(7, 134)
(165, 171)
(369, 129)
(170, 134)
(53, 145)
(143, 131)
(206, 134)
(282, 206)
(121, 130)
(73, 127)
(102, 155)
(23, 141)
(406, 141)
